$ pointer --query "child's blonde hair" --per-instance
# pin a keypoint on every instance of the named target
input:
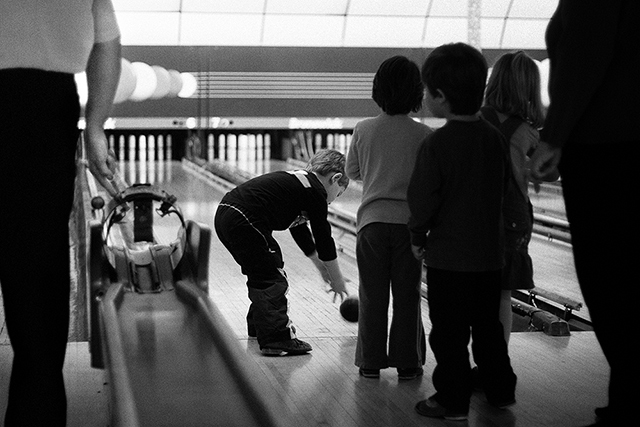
(514, 88)
(328, 161)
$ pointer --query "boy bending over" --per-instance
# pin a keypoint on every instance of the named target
(244, 222)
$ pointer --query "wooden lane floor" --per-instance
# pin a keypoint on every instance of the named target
(561, 379)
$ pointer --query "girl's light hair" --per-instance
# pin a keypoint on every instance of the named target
(327, 161)
(514, 88)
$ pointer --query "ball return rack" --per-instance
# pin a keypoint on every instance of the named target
(169, 355)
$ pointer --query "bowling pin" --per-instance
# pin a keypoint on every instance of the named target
(132, 149)
(243, 148)
(259, 148)
(330, 141)
(232, 155)
(222, 147)
(210, 141)
(160, 148)
(342, 143)
(121, 144)
(267, 147)
(142, 149)
(151, 149)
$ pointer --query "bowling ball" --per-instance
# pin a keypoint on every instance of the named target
(349, 308)
(97, 202)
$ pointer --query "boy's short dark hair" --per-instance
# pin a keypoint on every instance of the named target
(397, 88)
(460, 72)
(327, 161)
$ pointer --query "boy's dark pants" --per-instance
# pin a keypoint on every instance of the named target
(38, 137)
(465, 305)
(259, 255)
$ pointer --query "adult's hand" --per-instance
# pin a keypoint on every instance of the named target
(102, 162)
(103, 74)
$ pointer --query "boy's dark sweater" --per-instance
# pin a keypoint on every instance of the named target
(278, 200)
(455, 195)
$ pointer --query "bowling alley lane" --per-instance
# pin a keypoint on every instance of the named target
(324, 386)
(327, 377)
(198, 198)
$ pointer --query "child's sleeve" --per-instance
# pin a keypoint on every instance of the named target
(302, 236)
(315, 236)
(321, 228)
(422, 195)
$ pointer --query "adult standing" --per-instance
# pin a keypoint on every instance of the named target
(592, 135)
(42, 46)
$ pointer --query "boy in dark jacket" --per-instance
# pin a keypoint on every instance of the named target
(455, 198)
(282, 200)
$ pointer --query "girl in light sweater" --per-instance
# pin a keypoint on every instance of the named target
(382, 155)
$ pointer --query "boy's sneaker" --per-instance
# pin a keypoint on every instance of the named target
(369, 373)
(409, 373)
(280, 348)
(431, 408)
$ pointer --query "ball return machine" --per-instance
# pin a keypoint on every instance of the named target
(169, 356)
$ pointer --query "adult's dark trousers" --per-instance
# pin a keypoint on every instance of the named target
(387, 267)
(600, 187)
(464, 305)
(38, 135)
(260, 257)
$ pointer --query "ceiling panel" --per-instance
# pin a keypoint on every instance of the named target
(306, 7)
(147, 5)
(491, 32)
(210, 29)
(504, 24)
(539, 9)
(524, 34)
(445, 30)
(149, 28)
(303, 30)
(388, 8)
(223, 6)
(457, 8)
(382, 31)
(495, 8)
